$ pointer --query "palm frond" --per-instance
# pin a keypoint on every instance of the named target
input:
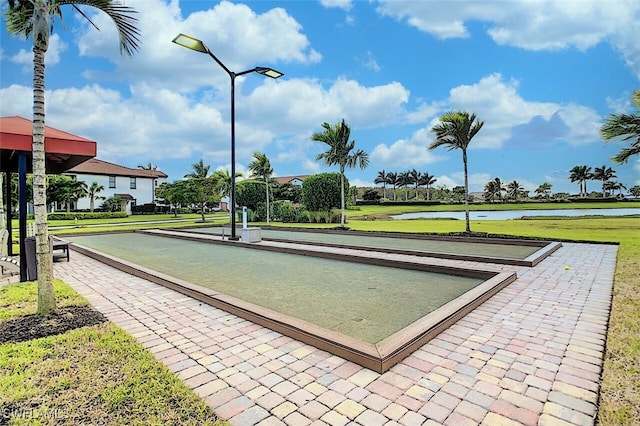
(121, 15)
(19, 18)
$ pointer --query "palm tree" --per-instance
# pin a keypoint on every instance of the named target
(404, 179)
(514, 189)
(92, 192)
(499, 188)
(261, 167)
(455, 131)
(415, 179)
(79, 190)
(427, 180)
(199, 174)
(222, 179)
(382, 178)
(581, 174)
(341, 152)
(635, 191)
(625, 127)
(199, 170)
(493, 189)
(544, 190)
(604, 174)
(392, 179)
(35, 19)
(64, 190)
(611, 186)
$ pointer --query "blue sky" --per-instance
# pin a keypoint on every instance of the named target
(542, 75)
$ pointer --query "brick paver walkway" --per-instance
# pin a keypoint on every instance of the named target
(530, 355)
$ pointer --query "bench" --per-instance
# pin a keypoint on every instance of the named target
(60, 250)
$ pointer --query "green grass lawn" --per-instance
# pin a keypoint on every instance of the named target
(90, 375)
(385, 211)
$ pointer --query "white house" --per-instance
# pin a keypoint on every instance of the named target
(293, 180)
(135, 186)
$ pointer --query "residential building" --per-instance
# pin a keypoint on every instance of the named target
(133, 186)
(293, 180)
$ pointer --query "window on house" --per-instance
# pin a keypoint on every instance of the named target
(132, 183)
(112, 181)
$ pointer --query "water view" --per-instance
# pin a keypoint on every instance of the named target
(516, 214)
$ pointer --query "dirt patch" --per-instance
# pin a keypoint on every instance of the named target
(27, 327)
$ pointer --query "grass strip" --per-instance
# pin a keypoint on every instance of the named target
(90, 375)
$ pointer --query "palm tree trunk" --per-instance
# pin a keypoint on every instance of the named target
(466, 190)
(46, 297)
(266, 185)
(342, 196)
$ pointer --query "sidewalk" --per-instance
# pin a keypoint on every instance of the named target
(530, 355)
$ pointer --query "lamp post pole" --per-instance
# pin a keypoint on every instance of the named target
(197, 45)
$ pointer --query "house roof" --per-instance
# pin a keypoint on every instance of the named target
(99, 167)
(287, 179)
(62, 150)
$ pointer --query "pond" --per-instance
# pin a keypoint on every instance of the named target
(516, 214)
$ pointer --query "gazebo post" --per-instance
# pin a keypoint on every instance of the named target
(22, 216)
(8, 212)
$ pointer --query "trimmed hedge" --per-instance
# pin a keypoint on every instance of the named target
(83, 215)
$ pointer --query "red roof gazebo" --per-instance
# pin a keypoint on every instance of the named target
(63, 151)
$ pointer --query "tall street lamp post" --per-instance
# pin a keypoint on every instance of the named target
(197, 45)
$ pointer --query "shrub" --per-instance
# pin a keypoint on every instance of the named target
(149, 208)
(321, 192)
(287, 212)
(250, 193)
(332, 216)
(89, 215)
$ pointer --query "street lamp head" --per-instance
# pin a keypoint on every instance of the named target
(269, 72)
(190, 43)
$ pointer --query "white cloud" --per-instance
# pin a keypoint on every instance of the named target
(531, 25)
(621, 104)
(413, 153)
(161, 123)
(237, 35)
(360, 183)
(298, 105)
(498, 103)
(423, 113)
(311, 166)
(369, 62)
(52, 57)
(341, 4)
(476, 180)
(636, 168)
